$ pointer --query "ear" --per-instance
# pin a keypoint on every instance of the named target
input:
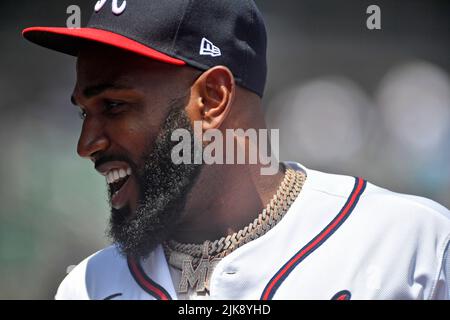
(212, 96)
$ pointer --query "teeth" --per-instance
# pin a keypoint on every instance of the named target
(117, 174)
(110, 177)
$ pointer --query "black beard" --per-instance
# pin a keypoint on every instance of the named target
(163, 186)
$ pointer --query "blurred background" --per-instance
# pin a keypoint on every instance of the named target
(369, 103)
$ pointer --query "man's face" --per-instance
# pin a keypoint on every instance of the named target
(130, 106)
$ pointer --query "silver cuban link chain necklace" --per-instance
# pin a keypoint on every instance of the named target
(197, 261)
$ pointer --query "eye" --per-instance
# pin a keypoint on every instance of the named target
(113, 106)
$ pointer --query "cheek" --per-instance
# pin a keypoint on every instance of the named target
(135, 137)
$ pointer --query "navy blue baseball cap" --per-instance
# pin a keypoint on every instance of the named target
(199, 33)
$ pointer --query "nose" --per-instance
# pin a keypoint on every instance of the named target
(93, 140)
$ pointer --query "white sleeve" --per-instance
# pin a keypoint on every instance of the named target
(73, 287)
(442, 291)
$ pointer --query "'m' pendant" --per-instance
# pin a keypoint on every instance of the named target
(198, 278)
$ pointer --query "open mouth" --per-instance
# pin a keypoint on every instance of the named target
(117, 180)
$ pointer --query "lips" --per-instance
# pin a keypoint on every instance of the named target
(118, 176)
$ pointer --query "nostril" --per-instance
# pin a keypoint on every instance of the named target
(90, 148)
(92, 138)
(94, 157)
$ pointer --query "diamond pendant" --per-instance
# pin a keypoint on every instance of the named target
(197, 278)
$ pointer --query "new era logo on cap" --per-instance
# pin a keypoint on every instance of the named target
(207, 48)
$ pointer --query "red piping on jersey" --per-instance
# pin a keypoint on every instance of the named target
(315, 243)
(145, 282)
(342, 295)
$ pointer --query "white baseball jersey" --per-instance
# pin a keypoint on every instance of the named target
(342, 238)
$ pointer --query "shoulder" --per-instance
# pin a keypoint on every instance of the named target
(414, 232)
(406, 237)
(93, 275)
(407, 210)
(381, 204)
(405, 234)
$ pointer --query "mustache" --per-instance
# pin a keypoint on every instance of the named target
(119, 157)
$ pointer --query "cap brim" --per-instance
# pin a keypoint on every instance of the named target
(69, 40)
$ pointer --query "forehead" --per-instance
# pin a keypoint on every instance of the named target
(97, 63)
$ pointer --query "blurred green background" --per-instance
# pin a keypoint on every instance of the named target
(347, 100)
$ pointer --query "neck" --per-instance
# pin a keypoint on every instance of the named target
(224, 200)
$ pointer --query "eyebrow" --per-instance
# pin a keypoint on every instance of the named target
(97, 89)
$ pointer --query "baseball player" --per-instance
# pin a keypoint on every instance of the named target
(146, 68)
